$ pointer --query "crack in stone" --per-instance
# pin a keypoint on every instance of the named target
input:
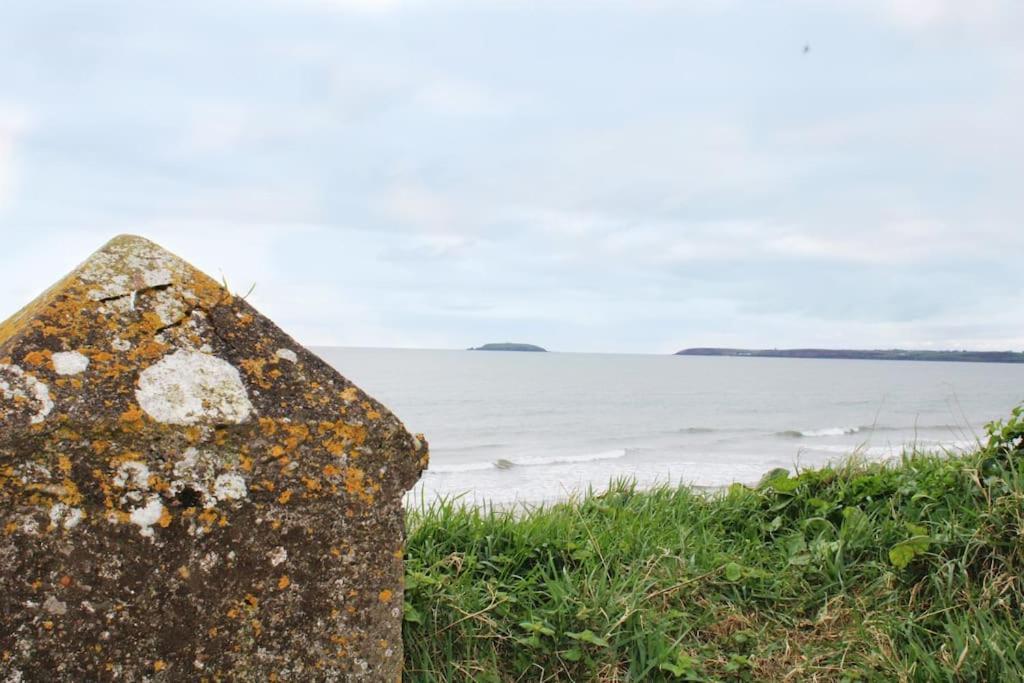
(180, 321)
(135, 292)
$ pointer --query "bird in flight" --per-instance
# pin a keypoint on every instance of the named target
(807, 48)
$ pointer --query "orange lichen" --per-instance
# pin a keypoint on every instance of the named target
(268, 426)
(254, 368)
(37, 358)
(283, 582)
(101, 357)
(284, 497)
(296, 435)
(385, 596)
(331, 471)
(70, 494)
(149, 350)
(208, 517)
(159, 665)
(151, 322)
(345, 432)
(165, 519)
(355, 483)
(335, 447)
(132, 419)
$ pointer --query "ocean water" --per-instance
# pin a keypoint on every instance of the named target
(513, 427)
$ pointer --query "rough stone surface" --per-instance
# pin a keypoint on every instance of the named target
(188, 494)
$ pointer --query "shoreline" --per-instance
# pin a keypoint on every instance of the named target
(877, 571)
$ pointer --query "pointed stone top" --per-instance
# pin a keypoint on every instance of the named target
(168, 451)
(124, 267)
(129, 263)
(138, 338)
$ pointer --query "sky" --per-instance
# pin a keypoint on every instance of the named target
(595, 175)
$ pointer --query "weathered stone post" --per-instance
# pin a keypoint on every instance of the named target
(186, 493)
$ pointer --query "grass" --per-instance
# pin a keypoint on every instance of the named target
(913, 571)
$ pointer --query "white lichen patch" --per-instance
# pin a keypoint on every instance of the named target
(209, 561)
(69, 362)
(16, 386)
(229, 487)
(288, 355)
(62, 515)
(119, 344)
(188, 387)
(278, 556)
(132, 474)
(56, 607)
(128, 265)
(147, 515)
(203, 473)
(169, 307)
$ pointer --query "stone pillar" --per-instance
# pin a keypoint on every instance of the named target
(188, 494)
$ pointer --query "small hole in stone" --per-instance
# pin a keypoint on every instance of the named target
(188, 498)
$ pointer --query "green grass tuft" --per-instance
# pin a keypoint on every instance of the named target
(864, 572)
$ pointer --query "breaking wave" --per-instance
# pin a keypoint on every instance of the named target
(829, 431)
(524, 461)
(845, 431)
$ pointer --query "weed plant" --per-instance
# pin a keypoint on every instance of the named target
(862, 572)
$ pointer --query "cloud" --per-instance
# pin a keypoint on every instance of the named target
(930, 14)
(361, 6)
(601, 176)
(14, 123)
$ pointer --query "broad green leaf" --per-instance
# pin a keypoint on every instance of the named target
(537, 627)
(412, 615)
(588, 636)
(800, 559)
(901, 554)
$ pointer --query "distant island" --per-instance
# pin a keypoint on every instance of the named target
(508, 346)
(853, 354)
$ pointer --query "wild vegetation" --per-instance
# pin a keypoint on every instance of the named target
(912, 571)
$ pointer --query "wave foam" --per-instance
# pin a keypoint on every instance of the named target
(828, 431)
(504, 464)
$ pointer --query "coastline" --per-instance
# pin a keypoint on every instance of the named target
(876, 571)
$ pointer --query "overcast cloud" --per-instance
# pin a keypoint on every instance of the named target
(589, 176)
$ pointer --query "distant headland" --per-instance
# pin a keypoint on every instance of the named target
(854, 354)
(508, 346)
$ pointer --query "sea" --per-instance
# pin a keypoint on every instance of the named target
(512, 427)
